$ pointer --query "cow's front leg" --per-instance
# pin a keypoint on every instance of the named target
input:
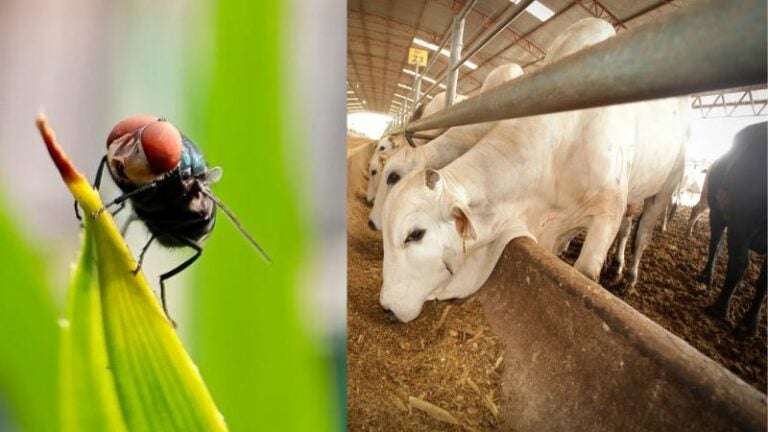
(600, 234)
(748, 324)
(716, 229)
(738, 259)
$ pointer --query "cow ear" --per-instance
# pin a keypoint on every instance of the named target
(432, 177)
(461, 219)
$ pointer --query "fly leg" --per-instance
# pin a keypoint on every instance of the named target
(198, 251)
(77, 214)
(122, 198)
(141, 255)
(96, 184)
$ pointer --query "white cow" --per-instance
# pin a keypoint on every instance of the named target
(436, 104)
(580, 35)
(440, 151)
(389, 143)
(385, 145)
(543, 177)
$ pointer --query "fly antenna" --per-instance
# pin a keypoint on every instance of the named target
(235, 221)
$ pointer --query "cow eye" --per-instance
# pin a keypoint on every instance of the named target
(415, 235)
(373, 172)
(393, 178)
(381, 148)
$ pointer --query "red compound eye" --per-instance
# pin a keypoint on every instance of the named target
(162, 146)
(129, 125)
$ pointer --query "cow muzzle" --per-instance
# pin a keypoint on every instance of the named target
(404, 313)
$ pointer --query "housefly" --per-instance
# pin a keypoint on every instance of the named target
(165, 177)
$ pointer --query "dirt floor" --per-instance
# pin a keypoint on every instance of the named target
(668, 293)
(445, 367)
(448, 357)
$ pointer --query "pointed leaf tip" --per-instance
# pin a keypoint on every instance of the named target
(63, 164)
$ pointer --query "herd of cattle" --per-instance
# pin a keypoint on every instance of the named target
(448, 206)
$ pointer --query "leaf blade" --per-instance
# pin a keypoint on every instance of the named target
(88, 396)
(156, 384)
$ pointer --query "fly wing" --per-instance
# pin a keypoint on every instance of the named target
(212, 175)
(235, 221)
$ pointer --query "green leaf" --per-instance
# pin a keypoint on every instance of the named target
(88, 397)
(263, 364)
(122, 365)
(28, 336)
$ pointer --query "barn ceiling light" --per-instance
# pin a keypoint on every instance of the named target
(403, 86)
(445, 52)
(425, 78)
(538, 10)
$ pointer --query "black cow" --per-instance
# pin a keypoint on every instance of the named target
(737, 198)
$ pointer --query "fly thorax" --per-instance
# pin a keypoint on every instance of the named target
(199, 203)
(192, 160)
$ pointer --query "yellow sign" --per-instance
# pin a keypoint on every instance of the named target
(417, 57)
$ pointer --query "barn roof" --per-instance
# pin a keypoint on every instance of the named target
(379, 33)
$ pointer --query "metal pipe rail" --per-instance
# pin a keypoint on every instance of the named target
(492, 32)
(673, 56)
(446, 38)
(484, 39)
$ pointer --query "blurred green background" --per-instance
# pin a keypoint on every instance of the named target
(258, 86)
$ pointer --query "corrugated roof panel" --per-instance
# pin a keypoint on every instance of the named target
(381, 31)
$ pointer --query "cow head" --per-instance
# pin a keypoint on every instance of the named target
(399, 164)
(383, 147)
(374, 174)
(427, 230)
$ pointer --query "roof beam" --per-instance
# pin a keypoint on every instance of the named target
(598, 10)
(648, 9)
(527, 44)
(745, 99)
(367, 46)
(392, 23)
(356, 87)
(524, 37)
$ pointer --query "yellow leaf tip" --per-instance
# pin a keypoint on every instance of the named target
(63, 164)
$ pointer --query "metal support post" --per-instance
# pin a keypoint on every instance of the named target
(457, 35)
(416, 87)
